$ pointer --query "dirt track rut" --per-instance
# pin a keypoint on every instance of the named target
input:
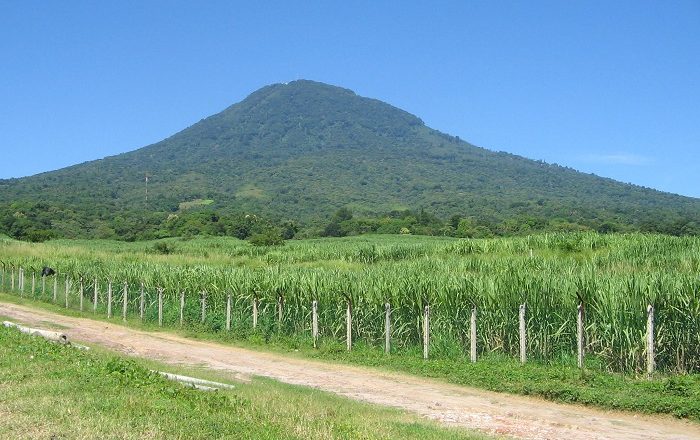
(514, 416)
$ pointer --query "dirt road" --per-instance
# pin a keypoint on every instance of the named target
(514, 416)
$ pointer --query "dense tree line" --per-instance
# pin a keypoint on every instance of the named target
(421, 222)
(37, 222)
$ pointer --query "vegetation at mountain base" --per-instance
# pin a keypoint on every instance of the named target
(54, 391)
(294, 155)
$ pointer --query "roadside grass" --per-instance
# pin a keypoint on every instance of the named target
(677, 395)
(560, 381)
(53, 391)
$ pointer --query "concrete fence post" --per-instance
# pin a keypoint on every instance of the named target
(94, 297)
(142, 302)
(348, 325)
(426, 331)
(109, 299)
(182, 308)
(125, 300)
(314, 322)
(160, 307)
(81, 291)
(228, 312)
(280, 312)
(580, 340)
(67, 289)
(33, 284)
(472, 336)
(651, 361)
(55, 288)
(256, 304)
(204, 306)
(523, 335)
(387, 328)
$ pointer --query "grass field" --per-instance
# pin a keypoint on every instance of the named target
(617, 276)
(57, 392)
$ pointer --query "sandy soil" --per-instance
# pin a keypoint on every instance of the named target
(513, 416)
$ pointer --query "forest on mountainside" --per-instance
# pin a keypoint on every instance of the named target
(296, 158)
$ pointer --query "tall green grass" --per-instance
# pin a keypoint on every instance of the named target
(617, 276)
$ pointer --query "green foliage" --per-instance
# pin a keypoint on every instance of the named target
(616, 276)
(289, 229)
(163, 247)
(343, 214)
(333, 229)
(270, 237)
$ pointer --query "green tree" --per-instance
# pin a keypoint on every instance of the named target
(270, 237)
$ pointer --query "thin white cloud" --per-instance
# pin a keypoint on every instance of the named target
(618, 159)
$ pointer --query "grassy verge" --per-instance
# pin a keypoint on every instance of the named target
(675, 395)
(562, 382)
(52, 391)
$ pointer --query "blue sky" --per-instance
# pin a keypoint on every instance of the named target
(611, 88)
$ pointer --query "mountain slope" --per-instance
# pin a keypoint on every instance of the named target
(304, 149)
